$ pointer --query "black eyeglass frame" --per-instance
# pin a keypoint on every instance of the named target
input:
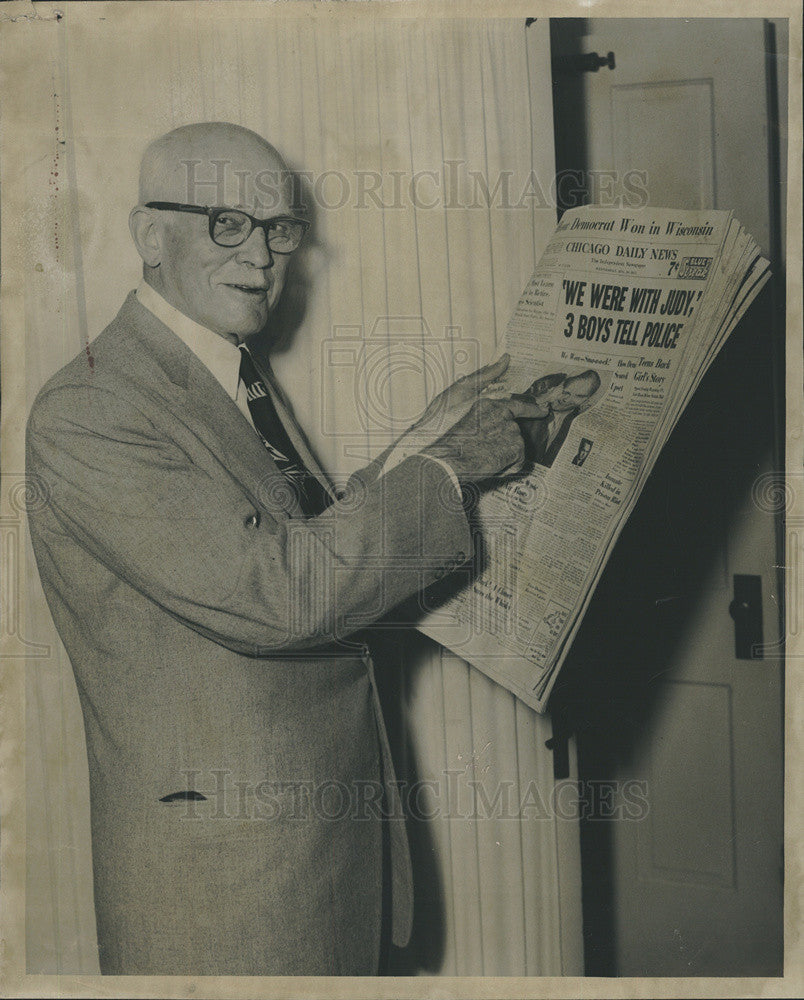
(213, 212)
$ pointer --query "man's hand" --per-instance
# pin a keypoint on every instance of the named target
(541, 404)
(455, 401)
(487, 440)
(471, 427)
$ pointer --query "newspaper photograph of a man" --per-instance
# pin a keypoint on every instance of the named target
(562, 396)
(583, 451)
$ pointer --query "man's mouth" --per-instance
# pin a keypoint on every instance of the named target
(255, 290)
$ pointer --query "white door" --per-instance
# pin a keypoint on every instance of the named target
(695, 885)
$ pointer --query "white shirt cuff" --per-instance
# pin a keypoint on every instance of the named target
(400, 453)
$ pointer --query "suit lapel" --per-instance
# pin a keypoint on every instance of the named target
(543, 432)
(560, 438)
(233, 438)
(198, 400)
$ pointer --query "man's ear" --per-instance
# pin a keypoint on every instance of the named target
(146, 235)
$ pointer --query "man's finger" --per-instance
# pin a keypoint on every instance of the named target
(522, 410)
(488, 373)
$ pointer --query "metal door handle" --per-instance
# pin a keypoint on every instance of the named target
(746, 612)
(587, 62)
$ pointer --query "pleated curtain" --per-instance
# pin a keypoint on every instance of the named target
(425, 155)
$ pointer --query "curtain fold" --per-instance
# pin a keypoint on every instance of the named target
(417, 143)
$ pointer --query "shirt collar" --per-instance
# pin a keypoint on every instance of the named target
(219, 355)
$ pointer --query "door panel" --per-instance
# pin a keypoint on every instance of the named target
(683, 109)
(694, 844)
(693, 887)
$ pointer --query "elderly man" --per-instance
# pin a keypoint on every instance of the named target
(560, 400)
(206, 582)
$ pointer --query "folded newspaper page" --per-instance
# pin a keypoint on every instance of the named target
(613, 333)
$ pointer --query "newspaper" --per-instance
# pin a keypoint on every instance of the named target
(613, 333)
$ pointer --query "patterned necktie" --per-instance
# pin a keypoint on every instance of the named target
(312, 497)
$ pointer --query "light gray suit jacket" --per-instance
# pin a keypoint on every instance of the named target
(206, 623)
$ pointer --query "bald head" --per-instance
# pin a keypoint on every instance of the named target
(228, 287)
(576, 391)
(213, 163)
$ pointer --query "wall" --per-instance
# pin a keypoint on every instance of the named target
(420, 290)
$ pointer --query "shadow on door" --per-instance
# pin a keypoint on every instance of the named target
(645, 614)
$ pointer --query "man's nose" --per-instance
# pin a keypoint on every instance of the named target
(255, 250)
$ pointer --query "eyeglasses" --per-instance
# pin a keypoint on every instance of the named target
(229, 227)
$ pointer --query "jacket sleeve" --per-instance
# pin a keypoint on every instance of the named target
(188, 539)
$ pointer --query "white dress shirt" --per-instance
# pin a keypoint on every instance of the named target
(222, 358)
(218, 354)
